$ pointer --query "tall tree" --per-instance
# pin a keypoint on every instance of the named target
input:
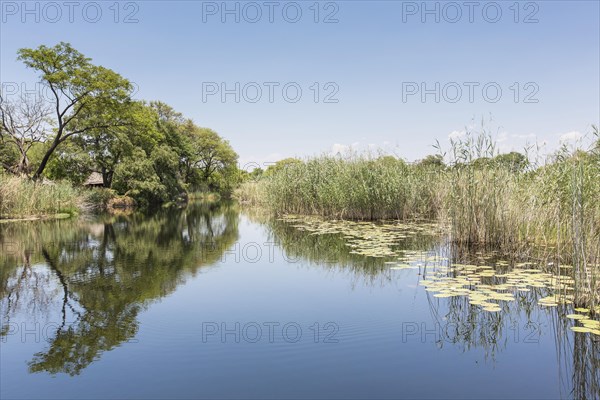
(76, 85)
(211, 153)
(513, 161)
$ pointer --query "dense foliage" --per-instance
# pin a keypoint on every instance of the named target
(90, 123)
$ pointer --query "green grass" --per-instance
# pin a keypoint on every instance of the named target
(250, 193)
(353, 188)
(553, 205)
(23, 198)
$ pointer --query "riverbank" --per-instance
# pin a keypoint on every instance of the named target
(486, 198)
(501, 202)
(36, 218)
(21, 199)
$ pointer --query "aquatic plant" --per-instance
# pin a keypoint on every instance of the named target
(513, 202)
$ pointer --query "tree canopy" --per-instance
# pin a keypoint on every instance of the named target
(90, 123)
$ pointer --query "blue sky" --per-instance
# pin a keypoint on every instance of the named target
(370, 68)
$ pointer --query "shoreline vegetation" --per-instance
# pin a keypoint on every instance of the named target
(22, 199)
(84, 123)
(487, 200)
(485, 197)
(147, 155)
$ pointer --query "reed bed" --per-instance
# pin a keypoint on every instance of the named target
(251, 193)
(353, 188)
(22, 198)
(553, 205)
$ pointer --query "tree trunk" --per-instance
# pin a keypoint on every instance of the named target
(107, 177)
(23, 167)
(45, 160)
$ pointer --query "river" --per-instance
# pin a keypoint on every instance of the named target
(215, 302)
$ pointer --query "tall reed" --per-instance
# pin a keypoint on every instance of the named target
(354, 188)
(21, 197)
(485, 200)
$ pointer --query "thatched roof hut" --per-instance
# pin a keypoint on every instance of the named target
(94, 180)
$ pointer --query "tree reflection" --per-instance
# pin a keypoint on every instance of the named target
(101, 274)
(98, 275)
(332, 252)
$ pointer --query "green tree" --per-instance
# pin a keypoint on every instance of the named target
(76, 86)
(482, 162)
(9, 155)
(256, 173)
(212, 156)
(69, 162)
(108, 146)
(514, 161)
(281, 165)
(165, 162)
(432, 160)
(136, 177)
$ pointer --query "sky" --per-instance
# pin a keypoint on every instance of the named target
(298, 79)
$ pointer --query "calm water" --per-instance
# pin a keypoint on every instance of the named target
(213, 303)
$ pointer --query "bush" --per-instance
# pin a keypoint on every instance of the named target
(98, 198)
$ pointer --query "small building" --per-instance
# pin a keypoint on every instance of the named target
(94, 180)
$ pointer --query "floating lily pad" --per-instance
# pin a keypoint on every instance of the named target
(581, 329)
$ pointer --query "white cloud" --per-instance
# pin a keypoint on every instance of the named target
(527, 136)
(338, 148)
(454, 135)
(572, 136)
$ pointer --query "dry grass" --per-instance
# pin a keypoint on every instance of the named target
(251, 193)
(21, 197)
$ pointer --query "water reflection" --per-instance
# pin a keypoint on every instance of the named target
(99, 274)
(86, 282)
(331, 251)
(456, 321)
